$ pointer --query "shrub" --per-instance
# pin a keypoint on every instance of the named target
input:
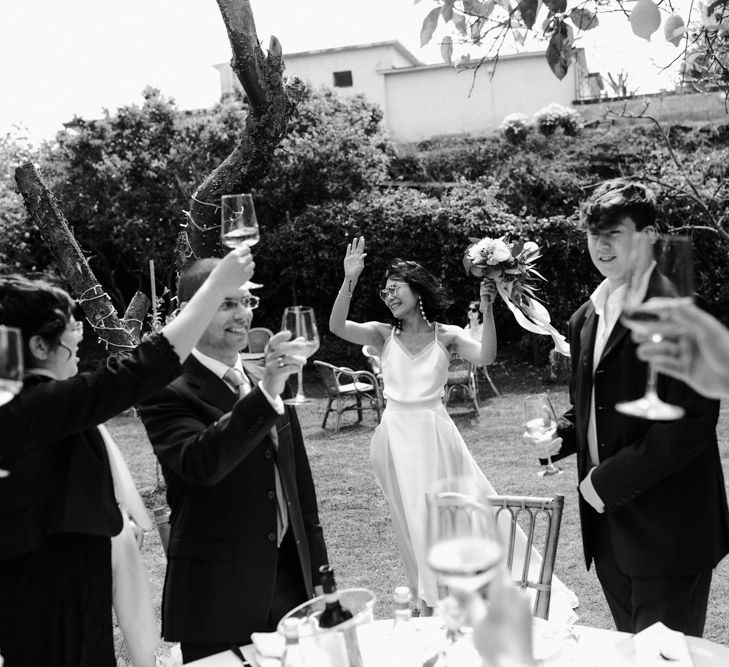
(515, 127)
(554, 115)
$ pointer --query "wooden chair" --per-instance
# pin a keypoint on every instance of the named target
(349, 390)
(373, 359)
(461, 378)
(258, 338)
(162, 519)
(540, 519)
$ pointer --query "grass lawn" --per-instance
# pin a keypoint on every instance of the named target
(356, 519)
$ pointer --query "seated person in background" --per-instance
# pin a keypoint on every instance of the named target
(475, 320)
(245, 538)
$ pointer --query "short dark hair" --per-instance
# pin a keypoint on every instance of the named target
(422, 282)
(477, 305)
(192, 277)
(615, 199)
(37, 308)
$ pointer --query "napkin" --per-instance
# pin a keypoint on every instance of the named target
(657, 645)
(269, 648)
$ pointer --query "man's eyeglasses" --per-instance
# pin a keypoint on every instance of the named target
(390, 291)
(250, 302)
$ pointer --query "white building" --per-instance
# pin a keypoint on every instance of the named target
(421, 101)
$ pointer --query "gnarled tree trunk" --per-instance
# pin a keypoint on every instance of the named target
(271, 104)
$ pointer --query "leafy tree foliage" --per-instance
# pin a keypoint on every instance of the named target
(125, 179)
(487, 24)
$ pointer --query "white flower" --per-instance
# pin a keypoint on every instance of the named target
(500, 252)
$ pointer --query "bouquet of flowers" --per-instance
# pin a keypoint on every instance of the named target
(512, 267)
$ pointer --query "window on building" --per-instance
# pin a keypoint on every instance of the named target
(343, 79)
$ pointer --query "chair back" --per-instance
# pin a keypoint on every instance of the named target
(349, 390)
(461, 377)
(540, 519)
(162, 520)
(258, 337)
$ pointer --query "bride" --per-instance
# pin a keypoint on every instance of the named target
(416, 441)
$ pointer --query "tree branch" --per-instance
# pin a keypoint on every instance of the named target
(271, 104)
(54, 229)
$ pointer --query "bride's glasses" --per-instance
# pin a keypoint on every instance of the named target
(391, 291)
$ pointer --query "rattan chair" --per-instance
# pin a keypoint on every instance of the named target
(540, 519)
(349, 390)
(461, 379)
(373, 359)
(258, 338)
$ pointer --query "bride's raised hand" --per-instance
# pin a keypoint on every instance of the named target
(354, 258)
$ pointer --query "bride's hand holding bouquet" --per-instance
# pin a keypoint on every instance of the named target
(510, 266)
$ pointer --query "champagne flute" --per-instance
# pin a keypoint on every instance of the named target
(464, 547)
(238, 222)
(665, 259)
(300, 321)
(11, 367)
(541, 424)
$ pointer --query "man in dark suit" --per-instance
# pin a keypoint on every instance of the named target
(653, 505)
(245, 539)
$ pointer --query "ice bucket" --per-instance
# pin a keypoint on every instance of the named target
(342, 645)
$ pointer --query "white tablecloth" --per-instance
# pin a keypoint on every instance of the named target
(594, 647)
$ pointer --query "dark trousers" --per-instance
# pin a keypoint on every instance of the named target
(636, 603)
(289, 592)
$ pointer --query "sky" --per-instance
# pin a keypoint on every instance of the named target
(59, 58)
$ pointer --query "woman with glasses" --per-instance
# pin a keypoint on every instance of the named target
(58, 510)
(416, 441)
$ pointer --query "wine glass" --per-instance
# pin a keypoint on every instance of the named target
(464, 548)
(238, 222)
(11, 367)
(668, 259)
(541, 424)
(300, 321)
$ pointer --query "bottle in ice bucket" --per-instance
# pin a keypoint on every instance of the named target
(403, 651)
(334, 614)
(292, 655)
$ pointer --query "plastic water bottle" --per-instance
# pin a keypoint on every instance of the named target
(403, 650)
(292, 655)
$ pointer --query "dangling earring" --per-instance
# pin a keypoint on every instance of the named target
(422, 310)
(398, 327)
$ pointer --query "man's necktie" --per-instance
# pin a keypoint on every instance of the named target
(239, 383)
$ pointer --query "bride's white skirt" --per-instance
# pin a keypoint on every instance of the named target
(413, 447)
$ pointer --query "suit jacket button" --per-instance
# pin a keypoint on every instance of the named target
(272, 537)
(271, 495)
(268, 453)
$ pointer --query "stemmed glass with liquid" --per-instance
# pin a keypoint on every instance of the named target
(300, 321)
(540, 422)
(11, 366)
(238, 222)
(673, 269)
(464, 547)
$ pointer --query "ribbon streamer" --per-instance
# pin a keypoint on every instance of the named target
(532, 316)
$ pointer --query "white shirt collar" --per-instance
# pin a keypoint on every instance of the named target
(602, 294)
(216, 366)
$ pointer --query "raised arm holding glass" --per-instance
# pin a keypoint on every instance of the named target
(58, 511)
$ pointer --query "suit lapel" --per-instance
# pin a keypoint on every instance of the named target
(587, 345)
(208, 386)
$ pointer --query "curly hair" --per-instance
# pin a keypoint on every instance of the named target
(37, 308)
(434, 296)
(615, 199)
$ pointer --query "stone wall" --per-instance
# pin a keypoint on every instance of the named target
(665, 107)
